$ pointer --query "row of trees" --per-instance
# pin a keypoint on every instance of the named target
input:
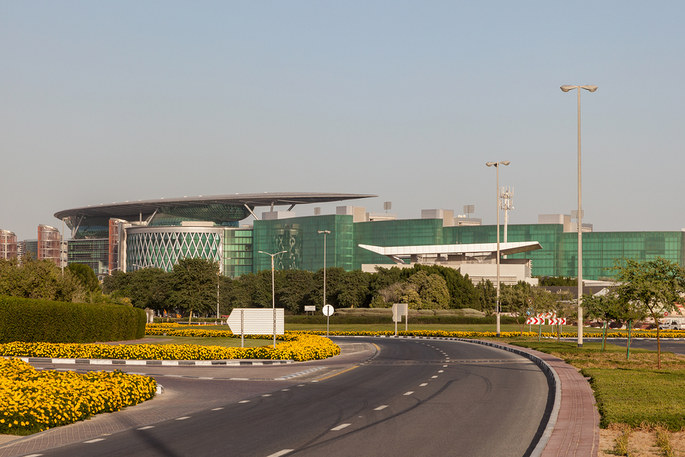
(43, 279)
(194, 285)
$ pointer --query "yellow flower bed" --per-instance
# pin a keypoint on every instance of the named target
(31, 400)
(298, 347)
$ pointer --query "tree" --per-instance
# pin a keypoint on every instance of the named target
(86, 276)
(39, 279)
(486, 296)
(432, 290)
(653, 287)
(193, 285)
(517, 299)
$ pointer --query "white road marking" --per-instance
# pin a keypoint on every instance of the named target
(94, 441)
(408, 393)
(238, 379)
(217, 409)
(340, 427)
(444, 366)
(244, 401)
(285, 390)
(147, 427)
(281, 452)
(182, 418)
(380, 407)
(441, 371)
(423, 384)
(205, 377)
(433, 377)
(33, 455)
(266, 395)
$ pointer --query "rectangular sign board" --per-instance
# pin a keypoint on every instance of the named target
(309, 308)
(399, 310)
(256, 321)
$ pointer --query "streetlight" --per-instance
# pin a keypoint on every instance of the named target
(273, 287)
(497, 165)
(325, 233)
(566, 88)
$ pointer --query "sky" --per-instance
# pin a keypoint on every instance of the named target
(112, 101)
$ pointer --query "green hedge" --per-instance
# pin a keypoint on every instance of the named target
(34, 320)
(384, 319)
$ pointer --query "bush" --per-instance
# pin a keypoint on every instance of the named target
(35, 320)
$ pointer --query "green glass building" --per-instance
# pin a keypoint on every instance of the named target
(133, 235)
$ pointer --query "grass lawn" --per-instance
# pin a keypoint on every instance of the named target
(631, 392)
(224, 342)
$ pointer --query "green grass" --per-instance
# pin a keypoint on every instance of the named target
(224, 342)
(631, 392)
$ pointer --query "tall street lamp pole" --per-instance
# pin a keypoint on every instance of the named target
(325, 233)
(566, 88)
(497, 165)
(273, 287)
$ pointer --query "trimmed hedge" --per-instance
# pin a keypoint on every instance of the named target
(384, 319)
(35, 320)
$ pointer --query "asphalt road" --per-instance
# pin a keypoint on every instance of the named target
(411, 398)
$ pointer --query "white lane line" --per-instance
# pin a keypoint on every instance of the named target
(340, 427)
(33, 455)
(408, 393)
(266, 395)
(244, 401)
(444, 366)
(423, 384)
(182, 418)
(238, 379)
(381, 407)
(205, 377)
(147, 427)
(433, 377)
(94, 441)
(281, 452)
(217, 409)
(285, 390)
(441, 371)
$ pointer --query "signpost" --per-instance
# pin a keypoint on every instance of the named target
(399, 310)
(256, 321)
(328, 312)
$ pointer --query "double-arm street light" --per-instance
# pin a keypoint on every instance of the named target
(273, 287)
(497, 165)
(579, 219)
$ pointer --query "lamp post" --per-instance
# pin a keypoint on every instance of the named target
(579, 218)
(218, 281)
(273, 287)
(325, 233)
(497, 165)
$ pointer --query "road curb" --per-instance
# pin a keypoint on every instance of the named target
(155, 363)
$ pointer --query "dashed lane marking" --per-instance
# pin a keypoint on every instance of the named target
(218, 409)
(281, 452)
(147, 427)
(182, 418)
(244, 401)
(423, 384)
(94, 440)
(381, 407)
(340, 427)
(408, 393)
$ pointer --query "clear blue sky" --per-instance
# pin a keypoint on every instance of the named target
(108, 101)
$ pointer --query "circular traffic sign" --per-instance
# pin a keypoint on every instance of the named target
(328, 310)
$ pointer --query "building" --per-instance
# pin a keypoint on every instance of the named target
(8, 245)
(157, 233)
(49, 244)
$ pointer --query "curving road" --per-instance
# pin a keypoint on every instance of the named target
(406, 398)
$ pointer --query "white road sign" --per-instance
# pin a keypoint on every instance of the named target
(256, 321)
(328, 310)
